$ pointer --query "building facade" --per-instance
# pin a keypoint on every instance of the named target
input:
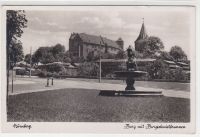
(81, 44)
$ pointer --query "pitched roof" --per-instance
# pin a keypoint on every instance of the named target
(119, 39)
(98, 40)
(124, 60)
(182, 63)
(21, 68)
(143, 33)
(170, 62)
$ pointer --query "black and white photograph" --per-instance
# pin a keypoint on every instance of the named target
(132, 66)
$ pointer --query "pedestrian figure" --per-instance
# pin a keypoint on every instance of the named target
(52, 81)
(47, 82)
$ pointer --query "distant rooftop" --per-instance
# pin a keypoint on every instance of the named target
(143, 33)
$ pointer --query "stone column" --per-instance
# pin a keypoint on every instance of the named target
(130, 83)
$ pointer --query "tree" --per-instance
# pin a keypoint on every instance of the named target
(59, 57)
(154, 44)
(88, 69)
(177, 53)
(106, 55)
(16, 52)
(121, 55)
(91, 56)
(34, 59)
(165, 56)
(15, 21)
(66, 57)
(150, 46)
(55, 68)
(67, 60)
(157, 69)
(27, 58)
(137, 54)
(58, 48)
(39, 53)
(58, 52)
(47, 57)
(77, 59)
(45, 54)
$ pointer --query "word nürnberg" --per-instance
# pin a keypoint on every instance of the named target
(22, 126)
(150, 126)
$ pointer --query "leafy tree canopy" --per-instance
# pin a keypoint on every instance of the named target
(88, 69)
(121, 55)
(107, 55)
(27, 58)
(50, 54)
(57, 49)
(150, 46)
(156, 69)
(154, 44)
(66, 57)
(91, 56)
(165, 56)
(15, 22)
(177, 53)
(16, 52)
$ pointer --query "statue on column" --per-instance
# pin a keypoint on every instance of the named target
(131, 64)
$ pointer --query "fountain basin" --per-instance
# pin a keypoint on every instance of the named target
(131, 93)
(133, 74)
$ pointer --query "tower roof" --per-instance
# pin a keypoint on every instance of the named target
(143, 33)
(119, 39)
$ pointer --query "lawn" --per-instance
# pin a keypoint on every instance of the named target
(81, 105)
(146, 84)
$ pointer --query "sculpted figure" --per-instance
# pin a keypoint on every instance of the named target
(131, 65)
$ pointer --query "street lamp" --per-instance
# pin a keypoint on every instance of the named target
(12, 66)
(100, 63)
(30, 62)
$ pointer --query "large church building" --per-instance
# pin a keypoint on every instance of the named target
(81, 44)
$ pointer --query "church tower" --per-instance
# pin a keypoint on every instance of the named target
(141, 39)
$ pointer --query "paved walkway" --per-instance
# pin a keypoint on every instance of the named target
(27, 85)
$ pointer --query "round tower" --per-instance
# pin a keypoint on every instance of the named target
(120, 42)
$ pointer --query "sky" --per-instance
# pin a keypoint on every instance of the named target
(49, 26)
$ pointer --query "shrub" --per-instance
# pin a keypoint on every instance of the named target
(49, 74)
(108, 68)
(157, 69)
(55, 68)
(34, 72)
(42, 74)
(20, 72)
(88, 69)
(180, 75)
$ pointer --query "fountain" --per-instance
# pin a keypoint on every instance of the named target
(130, 74)
(132, 71)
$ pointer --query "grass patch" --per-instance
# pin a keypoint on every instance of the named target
(146, 84)
(84, 105)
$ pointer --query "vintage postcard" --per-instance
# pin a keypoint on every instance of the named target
(98, 69)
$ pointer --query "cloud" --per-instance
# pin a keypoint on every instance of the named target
(96, 21)
(52, 24)
(172, 25)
